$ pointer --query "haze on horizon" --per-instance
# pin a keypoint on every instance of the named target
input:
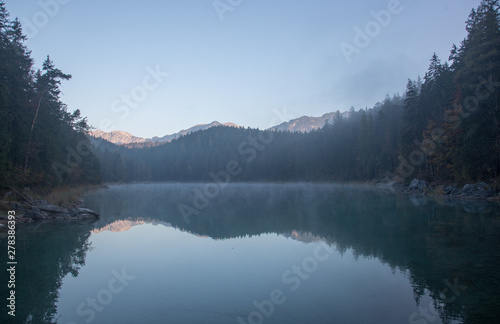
(255, 64)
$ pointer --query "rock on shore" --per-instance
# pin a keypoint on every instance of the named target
(478, 190)
(36, 210)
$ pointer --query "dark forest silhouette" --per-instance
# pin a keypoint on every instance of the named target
(444, 128)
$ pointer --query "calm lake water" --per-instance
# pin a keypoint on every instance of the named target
(261, 253)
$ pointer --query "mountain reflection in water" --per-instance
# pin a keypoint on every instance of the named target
(447, 250)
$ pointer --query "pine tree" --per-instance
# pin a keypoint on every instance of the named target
(36, 129)
(15, 92)
(477, 67)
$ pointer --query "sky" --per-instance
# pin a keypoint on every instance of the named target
(154, 67)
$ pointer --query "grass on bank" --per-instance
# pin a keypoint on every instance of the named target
(58, 196)
(61, 196)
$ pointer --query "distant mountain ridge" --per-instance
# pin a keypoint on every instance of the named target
(306, 124)
(168, 138)
(124, 138)
(117, 137)
(302, 124)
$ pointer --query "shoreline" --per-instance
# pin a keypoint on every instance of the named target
(479, 191)
(61, 204)
(47, 207)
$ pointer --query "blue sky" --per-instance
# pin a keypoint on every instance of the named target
(155, 67)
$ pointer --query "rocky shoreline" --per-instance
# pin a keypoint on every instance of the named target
(32, 210)
(474, 191)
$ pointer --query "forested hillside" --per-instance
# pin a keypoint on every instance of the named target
(350, 149)
(41, 142)
(444, 128)
(453, 115)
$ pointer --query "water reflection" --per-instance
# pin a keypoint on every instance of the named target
(448, 250)
(443, 245)
(46, 253)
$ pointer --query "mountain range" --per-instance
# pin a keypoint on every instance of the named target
(306, 124)
(121, 137)
(302, 124)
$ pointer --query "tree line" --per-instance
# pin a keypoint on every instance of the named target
(443, 128)
(38, 135)
(452, 116)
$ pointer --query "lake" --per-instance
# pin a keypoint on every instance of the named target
(261, 253)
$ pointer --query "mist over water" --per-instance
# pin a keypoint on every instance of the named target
(265, 253)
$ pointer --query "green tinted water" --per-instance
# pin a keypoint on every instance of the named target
(260, 253)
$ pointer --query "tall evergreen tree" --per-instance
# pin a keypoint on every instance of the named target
(36, 129)
(476, 154)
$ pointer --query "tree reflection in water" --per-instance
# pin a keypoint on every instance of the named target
(447, 249)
